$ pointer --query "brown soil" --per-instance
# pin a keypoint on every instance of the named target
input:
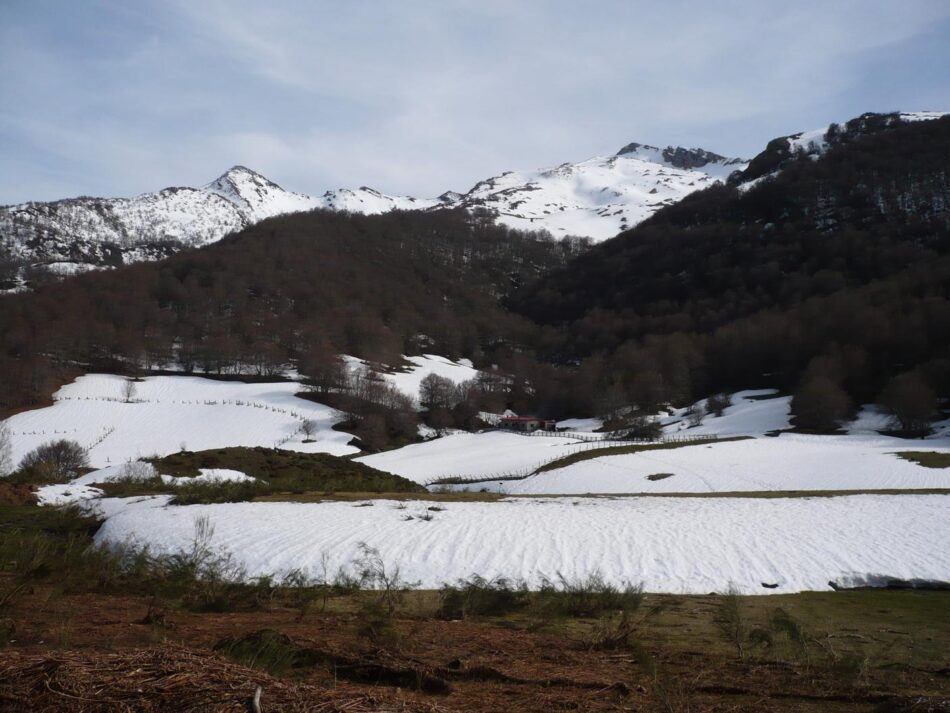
(98, 653)
(16, 494)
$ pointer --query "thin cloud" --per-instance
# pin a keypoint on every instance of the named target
(419, 97)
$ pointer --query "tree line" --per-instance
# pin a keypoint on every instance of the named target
(829, 281)
(834, 272)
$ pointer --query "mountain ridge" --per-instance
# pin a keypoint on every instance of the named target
(595, 198)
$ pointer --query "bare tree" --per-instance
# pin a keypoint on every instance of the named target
(437, 392)
(308, 428)
(718, 403)
(911, 402)
(820, 404)
(695, 414)
(55, 461)
(6, 450)
(128, 390)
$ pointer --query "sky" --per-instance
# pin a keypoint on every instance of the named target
(416, 97)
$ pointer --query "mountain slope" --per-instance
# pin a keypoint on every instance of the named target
(816, 142)
(839, 264)
(285, 289)
(601, 196)
(595, 198)
(112, 231)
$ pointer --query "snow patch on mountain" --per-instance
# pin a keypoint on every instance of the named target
(816, 142)
(256, 197)
(601, 196)
(596, 198)
(106, 232)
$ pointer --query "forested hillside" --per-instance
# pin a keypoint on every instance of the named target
(830, 279)
(287, 290)
(836, 268)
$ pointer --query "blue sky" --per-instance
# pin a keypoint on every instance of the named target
(422, 96)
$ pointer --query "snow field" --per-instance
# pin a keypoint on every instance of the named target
(749, 415)
(409, 380)
(789, 462)
(81, 488)
(169, 412)
(678, 545)
(488, 454)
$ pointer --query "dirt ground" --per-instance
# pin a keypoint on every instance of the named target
(16, 494)
(502, 664)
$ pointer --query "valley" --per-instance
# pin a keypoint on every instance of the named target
(411, 457)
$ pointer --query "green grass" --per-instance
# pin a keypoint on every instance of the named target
(928, 459)
(288, 470)
(624, 450)
(320, 497)
(52, 547)
(280, 473)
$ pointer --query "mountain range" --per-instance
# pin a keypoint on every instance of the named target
(595, 199)
(825, 260)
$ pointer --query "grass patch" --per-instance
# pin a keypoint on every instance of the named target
(659, 476)
(624, 450)
(589, 597)
(928, 459)
(289, 471)
(266, 650)
(765, 397)
(477, 596)
(279, 474)
(319, 497)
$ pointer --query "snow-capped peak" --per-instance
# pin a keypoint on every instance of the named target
(258, 196)
(601, 196)
(679, 157)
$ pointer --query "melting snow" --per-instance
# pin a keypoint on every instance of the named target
(171, 412)
(683, 545)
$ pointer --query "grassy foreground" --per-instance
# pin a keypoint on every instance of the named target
(76, 621)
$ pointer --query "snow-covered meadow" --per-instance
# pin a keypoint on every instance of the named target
(861, 460)
(787, 463)
(488, 454)
(670, 544)
(167, 413)
(685, 545)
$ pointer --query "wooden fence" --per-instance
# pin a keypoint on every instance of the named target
(586, 444)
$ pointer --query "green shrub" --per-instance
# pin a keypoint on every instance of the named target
(53, 462)
(266, 650)
(478, 596)
(587, 597)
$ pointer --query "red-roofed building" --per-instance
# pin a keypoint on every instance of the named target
(527, 424)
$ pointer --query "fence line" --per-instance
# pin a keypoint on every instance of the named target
(573, 449)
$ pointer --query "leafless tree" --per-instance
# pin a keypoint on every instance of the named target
(55, 461)
(128, 390)
(695, 414)
(6, 450)
(308, 428)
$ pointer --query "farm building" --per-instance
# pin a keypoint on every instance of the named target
(527, 424)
